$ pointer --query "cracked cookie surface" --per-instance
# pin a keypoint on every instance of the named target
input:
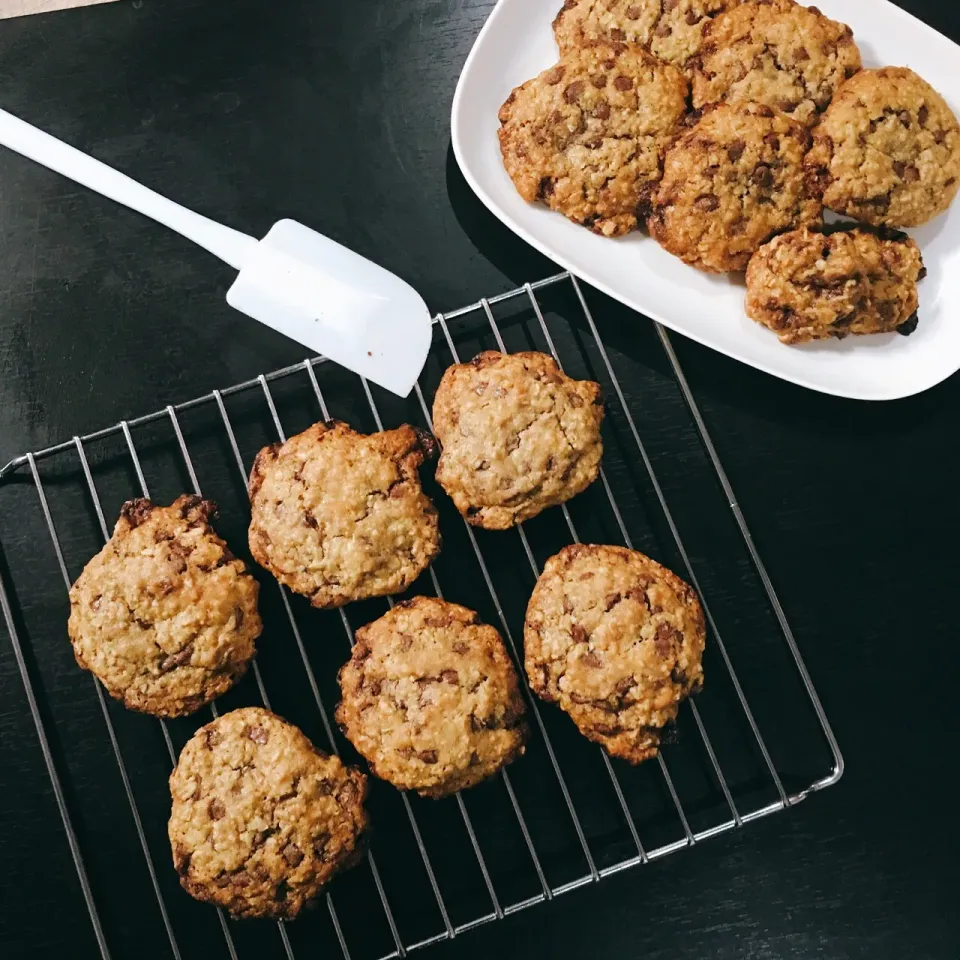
(775, 52)
(338, 515)
(672, 30)
(164, 615)
(730, 183)
(517, 436)
(261, 819)
(586, 137)
(616, 640)
(805, 285)
(887, 150)
(431, 698)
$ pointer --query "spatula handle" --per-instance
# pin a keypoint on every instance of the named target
(227, 244)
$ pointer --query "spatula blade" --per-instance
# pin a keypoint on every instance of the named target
(336, 303)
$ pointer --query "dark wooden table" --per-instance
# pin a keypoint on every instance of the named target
(337, 113)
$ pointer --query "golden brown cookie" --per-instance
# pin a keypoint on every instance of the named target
(164, 615)
(672, 30)
(431, 698)
(805, 285)
(730, 183)
(615, 640)
(774, 52)
(261, 819)
(518, 436)
(339, 516)
(587, 136)
(887, 151)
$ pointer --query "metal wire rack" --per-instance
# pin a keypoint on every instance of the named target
(566, 815)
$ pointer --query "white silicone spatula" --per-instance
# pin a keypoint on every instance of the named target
(295, 280)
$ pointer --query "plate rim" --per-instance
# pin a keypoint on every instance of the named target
(546, 249)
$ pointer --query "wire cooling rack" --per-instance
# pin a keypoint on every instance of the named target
(755, 742)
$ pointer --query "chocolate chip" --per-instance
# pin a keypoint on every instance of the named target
(788, 106)
(602, 110)
(904, 117)
(772, 140)
(578, 634)
(735, 150)
(707, 203)
(626, 685)
(663, 640)
(908, 325)
(450, 676)
(911, 174)
(591, 659)
(633, 13)
(217, 810)
(623, 83)
(135, 512)
(617, 34)
(460, 647)
(762, 110)
(257, 735)
(292, 854)
(939, 136)
(678, 676)
(573, 91)
(663, 30)
(214, 738)
(177, 659)
(555, 75)
(320, 845)
(693, 17)
(922, 114)
(599, 80)
(428, 756)
(762, 176)
(922, 273)
(612, 599)
(800, 54)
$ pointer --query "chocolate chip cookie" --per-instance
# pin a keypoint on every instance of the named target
(887, 150)
(804, 285)
(164, 615)
(339, 516)
(586, 136)
(518, 436)
(774, 52)
(615, 640)
(431, 699)
(672, 30)
(261, 819)
(730, 183)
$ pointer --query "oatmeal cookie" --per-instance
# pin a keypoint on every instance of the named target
(730, 183)
(164, 615)
(887, 150)
(615, 640)
(518, 435)
(805, 285)
(587, 136)
(774, 52)
(431, 699)
(261, 819)
(339, 516)
(672, 30)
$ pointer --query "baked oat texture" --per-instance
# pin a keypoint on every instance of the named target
(261, 819)
(887, 150)
(805, 285)
(164, 615)
(517, 435)
(672, 30)
(587, 136)
(775, 52)
(431, 698)
(616, 640)
(338, 515)
(730, 183)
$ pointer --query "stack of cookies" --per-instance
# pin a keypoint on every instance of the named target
(166, 617)
(725, 127)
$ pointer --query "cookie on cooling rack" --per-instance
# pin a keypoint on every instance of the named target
(338, 515)
(165, 616)
(261, 819)
(775, 52)
(615, 640)
(517, 436)
(672, 30)
(805, 285)
(887, 150)
(431, 698)
(586, 137)
(730, 183)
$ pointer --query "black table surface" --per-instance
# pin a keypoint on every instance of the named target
(337, 114)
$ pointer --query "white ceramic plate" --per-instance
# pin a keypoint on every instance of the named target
(516, 43)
